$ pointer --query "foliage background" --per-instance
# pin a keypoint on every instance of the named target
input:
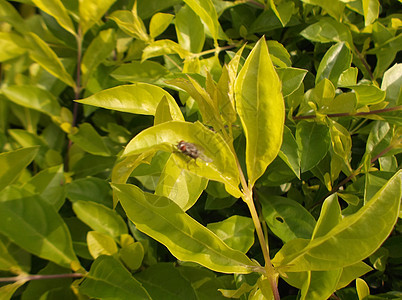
(337, 61)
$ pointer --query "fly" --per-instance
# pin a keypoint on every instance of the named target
(192, 151)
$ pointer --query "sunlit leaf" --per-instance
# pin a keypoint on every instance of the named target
(222, 166)
(237, 232)
(286, 218)
(205, 9)
(138, 98)
(100, 244)
(47, 58)
(364, 232)
(159, 23)
(91, 11)
(189, 30)
(188, 240)
(260, 106)
(56, 9)
(180, 185)
(335, 61)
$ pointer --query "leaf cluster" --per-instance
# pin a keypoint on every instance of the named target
(200, 149)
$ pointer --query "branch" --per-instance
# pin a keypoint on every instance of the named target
(354, 174)
(40, 277)
(358, 114)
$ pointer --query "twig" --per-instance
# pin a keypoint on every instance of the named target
(354, 174)
(366, 65)
(364, 113)
(40, 277)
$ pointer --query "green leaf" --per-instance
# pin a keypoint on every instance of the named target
(165, 281)
(335, 61)
(10, 15)
(90, 189)
(266, 21)
(159, 23)
(284, 11)
(147, 71)
(320, 284)
(11, 45)
(286, 218)
(189, 30)
(236, 231)
(164, 47)
(313, 142)
(348, 77)
(261, 109)
(180, 185)
(364, 232)
(343, 103)
(138, 98)
(164, 114)
(291, 79)
(100, 244)
(7, 291)
(14, 162)
(130, 23)
(362, 288)
(47, 58)
(334, 8)
(330, 217)
(350, 273)
(89, 140)
(38, 288)
(109, 280)
(91, 11)
(132, 255)
(13, 258)
(35, 226)
(205, 9)
(100, 218)
(206, 104)
(368, 94)
(288, 152)
(56, 9)
(328, 30)
(99, 49)
(167, 135)
(391, 83)
(49, 184)
(33, 97)
(371, 10)
(188, 240)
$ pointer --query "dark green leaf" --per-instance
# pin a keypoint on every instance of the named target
(108, 279)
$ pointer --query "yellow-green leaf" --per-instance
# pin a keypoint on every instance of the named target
(56, 9)
(91, 11)
(261, 108)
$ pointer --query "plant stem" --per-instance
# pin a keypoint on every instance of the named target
(248, 198)
(269, 269)
(364, 113)
(40, 277)
(364, 62)
(77, 91)
(354, 174)
(215, 50)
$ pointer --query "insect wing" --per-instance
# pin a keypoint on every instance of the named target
(205, 158)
